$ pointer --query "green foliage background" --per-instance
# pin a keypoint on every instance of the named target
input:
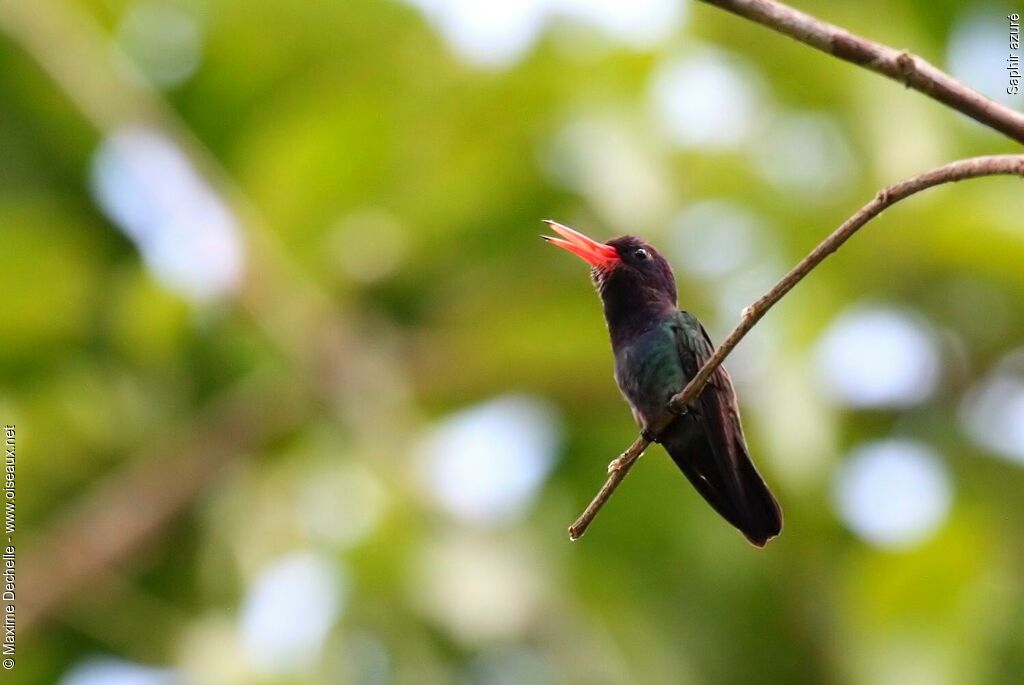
(332, 128)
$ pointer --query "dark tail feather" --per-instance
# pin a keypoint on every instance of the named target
(762, 514)
(727, 479)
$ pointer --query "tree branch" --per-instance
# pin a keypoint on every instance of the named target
(899, 65)
(950, 173)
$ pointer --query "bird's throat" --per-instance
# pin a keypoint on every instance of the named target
(631, 308)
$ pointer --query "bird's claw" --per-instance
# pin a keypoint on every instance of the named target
(648, 436)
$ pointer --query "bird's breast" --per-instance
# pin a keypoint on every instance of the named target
(648, 371)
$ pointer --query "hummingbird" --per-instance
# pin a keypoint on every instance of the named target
(658, 348)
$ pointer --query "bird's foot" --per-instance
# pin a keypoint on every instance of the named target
(681, 411)
(648, 436)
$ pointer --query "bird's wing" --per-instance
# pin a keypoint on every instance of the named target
(713, 452)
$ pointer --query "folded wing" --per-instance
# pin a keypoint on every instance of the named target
(709, 447)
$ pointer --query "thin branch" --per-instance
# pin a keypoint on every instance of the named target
(899, 65)
(950, 173)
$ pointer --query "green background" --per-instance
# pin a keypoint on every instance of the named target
(385, 188)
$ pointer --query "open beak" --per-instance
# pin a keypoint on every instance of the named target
(591, 251)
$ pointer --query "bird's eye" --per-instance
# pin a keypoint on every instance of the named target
(642, 254)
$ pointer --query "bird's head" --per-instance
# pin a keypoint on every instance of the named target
(625, 268)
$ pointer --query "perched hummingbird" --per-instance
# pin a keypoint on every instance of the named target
(658, 348)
